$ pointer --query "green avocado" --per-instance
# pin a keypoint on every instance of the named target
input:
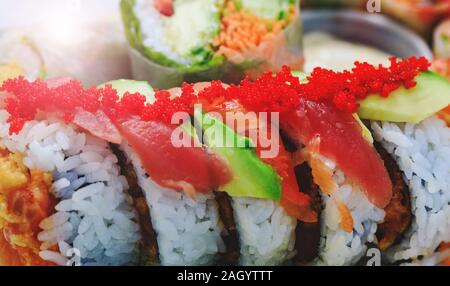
(132, 86)
(430, 95)
(251, 177)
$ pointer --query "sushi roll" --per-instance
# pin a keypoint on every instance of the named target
(196, 40)
(62, 200)
(365, 204)
(249, 219)
(355, 192)
(91, 205)
(416, 136)
(413, 222)
(266, 223)
(158, 203)
(181, 184)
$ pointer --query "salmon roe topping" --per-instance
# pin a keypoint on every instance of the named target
(271, 93)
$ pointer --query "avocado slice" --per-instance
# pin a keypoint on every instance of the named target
(429, 96)
(132, 86)
(251, 177)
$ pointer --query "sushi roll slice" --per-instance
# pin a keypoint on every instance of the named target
(396, 228)
(195, 40)
(174, 186)
(416, 136)
(62, 200)
(266, 217)
(353, 195)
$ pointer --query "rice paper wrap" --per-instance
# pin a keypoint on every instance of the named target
(285, 49)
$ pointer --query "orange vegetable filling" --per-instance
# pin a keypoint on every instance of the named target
(24, 202)
(242, 31)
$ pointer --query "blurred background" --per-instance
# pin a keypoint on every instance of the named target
(28, 12)
(85, 38)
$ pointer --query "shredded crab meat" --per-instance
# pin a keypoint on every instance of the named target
(323, 177)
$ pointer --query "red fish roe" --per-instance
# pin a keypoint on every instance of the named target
(164, 106)
(271, 93)
(343, 89)
(30, 97)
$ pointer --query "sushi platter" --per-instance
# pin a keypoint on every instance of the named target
(228, 133)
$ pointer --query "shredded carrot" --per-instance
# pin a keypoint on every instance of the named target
(242, 31)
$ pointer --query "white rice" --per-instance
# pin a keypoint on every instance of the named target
(155, 31)
(188, 231)
(266, 232)
(94, 222)
(422, 152)
(338, 247)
